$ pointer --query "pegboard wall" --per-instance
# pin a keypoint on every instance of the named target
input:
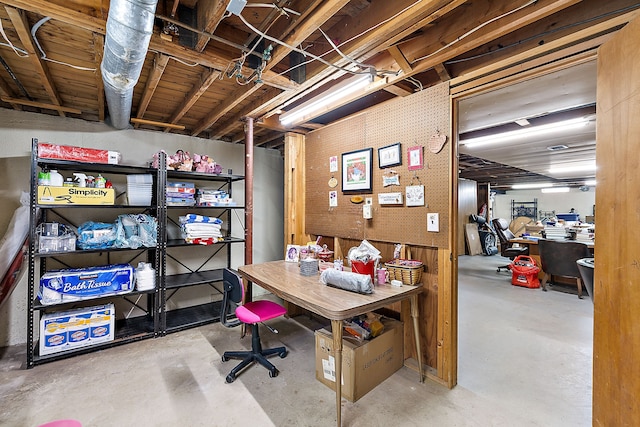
(411, 121)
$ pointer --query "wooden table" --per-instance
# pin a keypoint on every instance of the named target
(284, 280)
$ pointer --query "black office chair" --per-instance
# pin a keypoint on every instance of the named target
(585, 267)
(250, 313)
(558, 258)
(507, 250)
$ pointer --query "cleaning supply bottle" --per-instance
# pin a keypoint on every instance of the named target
(100, 181)
(44, 177)
(81, 179)
(55, 179)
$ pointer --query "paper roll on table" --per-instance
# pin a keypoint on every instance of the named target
(346, 280)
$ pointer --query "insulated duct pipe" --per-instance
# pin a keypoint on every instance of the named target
(129, 29)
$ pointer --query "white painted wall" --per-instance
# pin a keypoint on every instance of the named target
(137, 148)
(581, 201)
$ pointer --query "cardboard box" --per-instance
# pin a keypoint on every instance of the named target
(364, 365)
(48, 195)
(81, 327)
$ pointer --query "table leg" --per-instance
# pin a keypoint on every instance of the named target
(414, 314)
(336, 330)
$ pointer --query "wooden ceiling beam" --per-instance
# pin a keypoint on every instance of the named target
(327, 9)
(455, 30)
(206, 79)
(61, 13)
(400, 59)
(305, 28)
(214, 59)
(20, 24)
(228, 126)
(7, 92)
(224, 107)
(442, 71)
(210, 13)
(397, 90)
(138, 121)
(373, 38)
(54, 107)
(157, 70)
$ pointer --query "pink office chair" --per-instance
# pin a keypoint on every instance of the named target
(250, 313)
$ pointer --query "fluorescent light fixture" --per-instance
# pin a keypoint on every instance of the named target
(535, 185)
(525, 132)
(591, 182)
(333, 95)
(590, 167)
(555, 190)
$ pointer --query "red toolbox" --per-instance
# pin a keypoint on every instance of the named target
(524, 272)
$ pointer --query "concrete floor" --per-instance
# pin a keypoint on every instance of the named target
(524, 360)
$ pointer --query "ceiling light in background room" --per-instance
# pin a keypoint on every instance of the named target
(533, 185)
(555, 190)
(331, 99)
(591, 182)
(588, 167)
(526, 132)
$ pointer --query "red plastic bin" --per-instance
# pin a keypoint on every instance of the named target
(524, 272)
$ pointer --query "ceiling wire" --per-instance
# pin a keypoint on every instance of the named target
(20, 52)
(288, 46)
(545, 33)
(353, 38)
(44, 55)
(473, 30)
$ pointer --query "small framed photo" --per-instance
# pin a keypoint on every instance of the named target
(414, 157)
(357, 170)
(333, 164)
(293, 253)
(389, 155)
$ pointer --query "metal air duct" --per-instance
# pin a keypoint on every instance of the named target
(129, 29)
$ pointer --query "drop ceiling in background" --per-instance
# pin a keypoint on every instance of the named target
(564, 94)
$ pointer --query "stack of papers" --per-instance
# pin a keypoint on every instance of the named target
(555, 233)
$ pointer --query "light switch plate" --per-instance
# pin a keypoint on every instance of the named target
(433, 222)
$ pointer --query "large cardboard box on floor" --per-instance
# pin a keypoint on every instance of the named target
(364, 365)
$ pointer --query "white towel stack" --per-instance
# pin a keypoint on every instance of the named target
(200, 229)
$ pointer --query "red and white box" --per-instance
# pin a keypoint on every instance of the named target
(78, 154)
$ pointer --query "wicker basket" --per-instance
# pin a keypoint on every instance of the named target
(409, 272)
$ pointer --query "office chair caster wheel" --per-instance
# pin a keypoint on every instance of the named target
(283, 354)
(272, 373)
(230, 378)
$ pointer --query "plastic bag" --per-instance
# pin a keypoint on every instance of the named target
(136, 230)
(96, 235)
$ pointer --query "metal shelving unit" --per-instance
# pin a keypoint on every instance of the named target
(203, 274)
(127, 329)
(157, 319)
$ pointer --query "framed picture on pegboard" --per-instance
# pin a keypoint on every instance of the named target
(391, 155)
(415, 159)
(357, 170)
